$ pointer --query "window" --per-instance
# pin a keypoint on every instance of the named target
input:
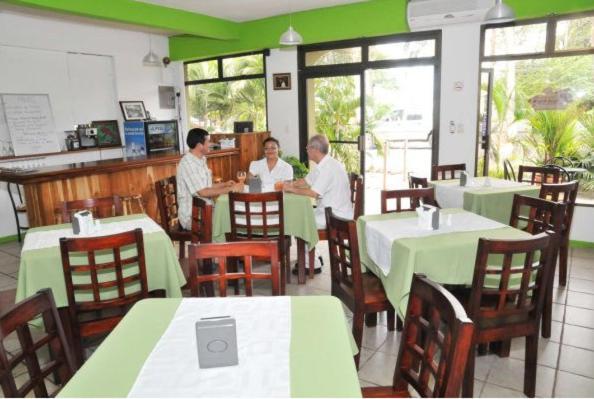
(226, 89)
(402, 50)
(332, 57)
(539, 82)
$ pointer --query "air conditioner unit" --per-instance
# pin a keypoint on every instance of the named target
(428, 14)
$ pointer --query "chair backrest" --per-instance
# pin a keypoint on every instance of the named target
(508, 171)
(343, 247)
(103, 273)
(439, 172)
(435, 341)
(357, 191)
(221, 252)
(201, 221)
(565, 193)
(101, 207)
(256, 216)
(417, 182)
(536, 215)
(166, 190)
(538, 174)
(16, 321)
(414, 197)
(509, 285)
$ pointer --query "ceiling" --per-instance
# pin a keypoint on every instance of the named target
(247, 10)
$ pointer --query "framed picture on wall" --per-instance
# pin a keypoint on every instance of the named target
(281, 81)
(133, 110)
(108, 133)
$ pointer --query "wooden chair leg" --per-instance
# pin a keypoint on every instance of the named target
(371, 319)
(563, 254)
(301, 261)
(182, 249)
(391, 319)
(399, 324)
(468, 384)
(504, 348)
(547, 312)
(530, 365)
(312, 262)
(358, 317)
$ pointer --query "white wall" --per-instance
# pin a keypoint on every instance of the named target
(133, 80)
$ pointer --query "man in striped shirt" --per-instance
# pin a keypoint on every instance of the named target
(194, 177)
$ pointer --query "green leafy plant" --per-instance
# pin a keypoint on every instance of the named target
(299, 168)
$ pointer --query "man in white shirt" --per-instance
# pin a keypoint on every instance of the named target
(194, 177)
(271, 168)
(328, 182)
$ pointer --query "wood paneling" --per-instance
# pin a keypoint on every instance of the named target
(249, 145)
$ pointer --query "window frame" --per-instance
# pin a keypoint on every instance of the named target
(221, 79)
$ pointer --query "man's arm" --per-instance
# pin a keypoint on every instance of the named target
(300, 187)
(220, 188)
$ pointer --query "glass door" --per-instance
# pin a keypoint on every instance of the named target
(399, 111)
(484, 130)
(334, 110)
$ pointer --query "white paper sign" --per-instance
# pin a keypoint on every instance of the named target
(31, 123)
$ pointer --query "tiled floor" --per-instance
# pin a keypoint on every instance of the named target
(566, 361)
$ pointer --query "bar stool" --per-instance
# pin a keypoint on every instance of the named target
(133, 201)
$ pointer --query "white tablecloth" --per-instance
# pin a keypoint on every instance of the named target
(263, 341)
(451, 195)
(51, 238)
(381, 234)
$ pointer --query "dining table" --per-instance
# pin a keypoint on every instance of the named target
(286, 347)
(394, 246)
(41, 261)
(486, 196)
(299, 222)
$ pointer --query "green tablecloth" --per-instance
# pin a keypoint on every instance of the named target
(446, 259)
(299, 218)
(42, 268)
(321, 358)
(491, 202)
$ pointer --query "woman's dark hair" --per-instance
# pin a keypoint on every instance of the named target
(196, 136)
(269, 139)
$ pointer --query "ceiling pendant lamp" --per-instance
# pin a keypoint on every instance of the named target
(291, 37)
(151, 59)
(500, 12)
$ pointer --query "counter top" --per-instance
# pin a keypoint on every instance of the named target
(26, 176)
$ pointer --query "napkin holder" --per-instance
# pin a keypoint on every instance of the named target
(216, 338)
(428, 217)
(255, 184)
(463, 179)
(82, 223)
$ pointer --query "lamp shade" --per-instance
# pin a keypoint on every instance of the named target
(151, 59)
(290, 37)
(500, 12)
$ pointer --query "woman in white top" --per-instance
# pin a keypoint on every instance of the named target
(271, 168)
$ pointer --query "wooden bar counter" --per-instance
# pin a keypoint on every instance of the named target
(47, 187)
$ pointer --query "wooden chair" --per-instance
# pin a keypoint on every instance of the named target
(19, 208)
(434, 345)
(201, 233)
(103, 207)
(221, 253)
(512, 309)
(166, 190)
(260, 217)
(438, 172)
(535, 216)
(565, 193)
(538, 174)
(508, 171)
(100, 292)
(417, 182)
(357, 191)
(16, 320)
(362, 293)
(415, 197)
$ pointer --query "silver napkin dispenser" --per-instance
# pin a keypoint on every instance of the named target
(216, 338)
(255, 184)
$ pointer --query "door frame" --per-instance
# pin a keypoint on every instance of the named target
(486, 140)
(359, 68)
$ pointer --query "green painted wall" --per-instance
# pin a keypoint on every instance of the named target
(372, 18)
(136, 13)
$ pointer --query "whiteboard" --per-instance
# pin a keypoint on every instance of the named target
(30, 122)
(81, 88)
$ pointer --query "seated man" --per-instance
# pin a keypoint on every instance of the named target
(194, 177)
(328, 182)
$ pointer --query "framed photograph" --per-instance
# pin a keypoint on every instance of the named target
(133, 110)
(281, 81)
(108, 133)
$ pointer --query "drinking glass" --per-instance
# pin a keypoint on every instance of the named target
(241, 175)
(278, 185)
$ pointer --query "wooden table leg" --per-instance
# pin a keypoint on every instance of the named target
(312, 261)
(300, 261)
